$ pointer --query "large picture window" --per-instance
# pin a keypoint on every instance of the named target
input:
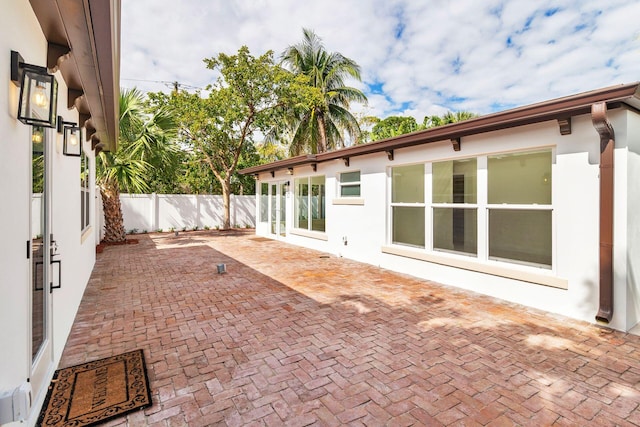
(407, 205)
(309, 206)
(508, 197)
(519, 208)
(455, 213)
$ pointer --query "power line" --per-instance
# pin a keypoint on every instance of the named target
(174, 85)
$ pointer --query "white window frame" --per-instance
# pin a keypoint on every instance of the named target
(393, 204)
(527, 207)
(309, 227)
(533, 273)
(263, 201)
(342, 184)
(348, 200)
(433, 206)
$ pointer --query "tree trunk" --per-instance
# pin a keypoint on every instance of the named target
(322, 143)
(226, 202)
(113, 221)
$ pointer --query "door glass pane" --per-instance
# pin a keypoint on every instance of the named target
(520, 235)
(455, 230)
(455, 181)
(38, 294)
(274, 196)
(408, 226)
(264, 202)
(407, 184)
(522, 178)
(301, 203)
(283, 210)
(317, 203)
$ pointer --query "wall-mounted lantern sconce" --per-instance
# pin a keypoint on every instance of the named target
(72, 146)
(38, 92)
(290, 171)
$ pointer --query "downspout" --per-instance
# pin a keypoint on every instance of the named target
(607, 142)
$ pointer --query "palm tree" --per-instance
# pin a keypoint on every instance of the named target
(321, 125)
(145, 142)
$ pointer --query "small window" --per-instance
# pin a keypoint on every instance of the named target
(350, 184)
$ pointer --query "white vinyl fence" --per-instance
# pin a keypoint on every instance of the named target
(153, 212)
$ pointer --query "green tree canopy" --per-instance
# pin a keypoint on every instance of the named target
(250, 97)
(321, 124)
(447, 118)
(145, 143)
(393, 126)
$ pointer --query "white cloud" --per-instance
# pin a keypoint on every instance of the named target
(428, 57)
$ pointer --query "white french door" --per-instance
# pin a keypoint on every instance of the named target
(40, 256)
(278, 208)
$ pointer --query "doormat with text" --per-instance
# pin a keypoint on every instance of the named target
(93, 392)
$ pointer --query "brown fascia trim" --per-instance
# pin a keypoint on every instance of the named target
(561, 108)
(607, 145)
(91, 28)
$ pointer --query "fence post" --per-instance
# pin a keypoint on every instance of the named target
(153, 220)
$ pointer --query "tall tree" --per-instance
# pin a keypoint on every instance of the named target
(144, 142)
(321, 125)
(248, 97)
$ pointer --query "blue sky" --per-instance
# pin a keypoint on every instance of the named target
(417, 57)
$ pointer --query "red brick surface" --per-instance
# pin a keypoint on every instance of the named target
(289, 336)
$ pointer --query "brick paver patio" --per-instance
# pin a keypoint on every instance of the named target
(290, 336)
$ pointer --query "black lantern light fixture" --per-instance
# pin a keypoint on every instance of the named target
(38, 92)
(71, 131)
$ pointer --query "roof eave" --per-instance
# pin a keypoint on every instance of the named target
(84, 45)
(549, 110)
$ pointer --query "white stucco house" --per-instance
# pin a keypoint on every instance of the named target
(59, 66)
(537, 205)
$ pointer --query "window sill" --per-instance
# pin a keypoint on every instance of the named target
(311, 234)
(525, 276)
(358, 201)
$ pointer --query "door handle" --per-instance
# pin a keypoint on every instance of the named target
(59, 285)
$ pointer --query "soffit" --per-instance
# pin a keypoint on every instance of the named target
(560, 108)
(91, 68)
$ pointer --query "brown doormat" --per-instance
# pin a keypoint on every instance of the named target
(93, 392)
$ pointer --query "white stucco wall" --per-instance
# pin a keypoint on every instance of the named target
(16, 19)
(575, 182)
(20, 31)
(632, 257)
